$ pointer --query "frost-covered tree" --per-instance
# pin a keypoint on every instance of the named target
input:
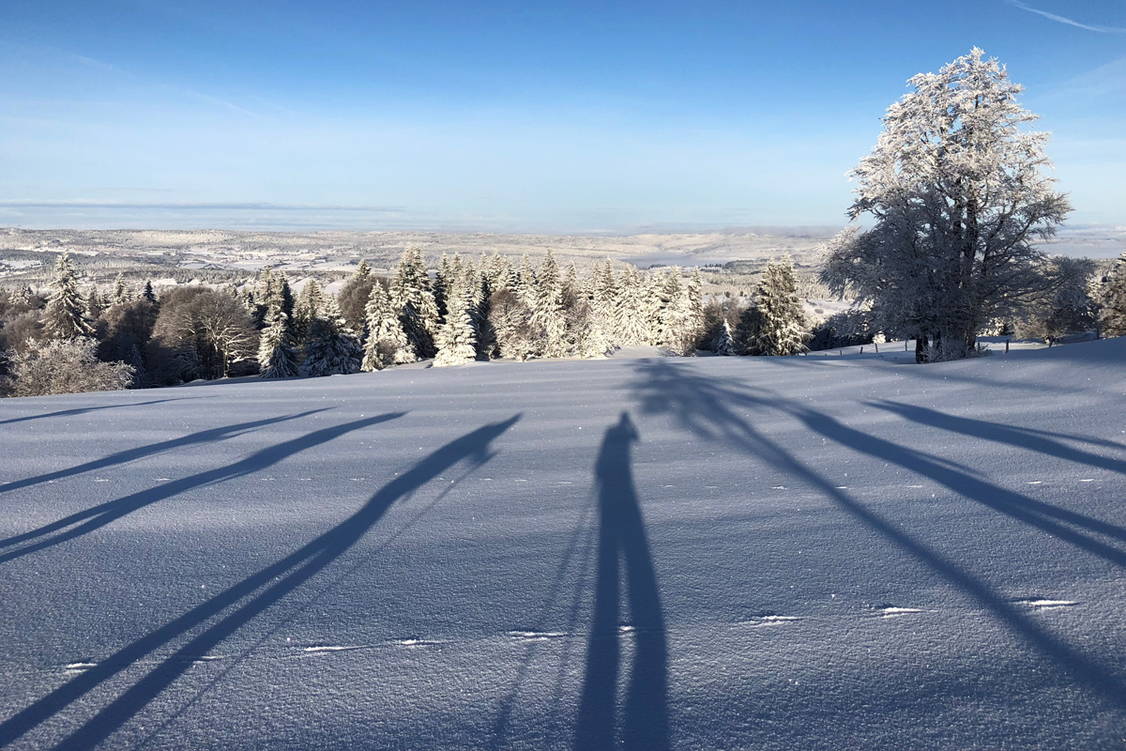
(1112, 299)
(457, 340)
(547, 307)
(64, 366)
(412, 296)
(94, 305)
(354, 295)
(329, 348)
(957, 194)
(724, 341)
(277, 357)
(307, 308)
(631, 328)
(120, 294)
(777, 324)
(64, 316)
(386, 342)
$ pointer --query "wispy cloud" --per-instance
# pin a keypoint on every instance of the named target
(1068, 21)
(92, 62)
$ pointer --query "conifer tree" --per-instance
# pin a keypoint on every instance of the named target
(456, 341)
(120, 294)
(631, 328)
(1112, 298)
(330, 348)
(309, 305)
(547, 311)
(780, 327)
(412, 296)
(148, 293)
(94, 304)
(64, 317)
(386, 343)
(276, 355)
(724, 342)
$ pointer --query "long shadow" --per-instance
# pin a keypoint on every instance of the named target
(622, 542)
(99, 516)
(84, 410)
(264, 589)
(122, 457)
(705, 408)
(1025, 438)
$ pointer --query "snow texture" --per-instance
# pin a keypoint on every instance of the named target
(700, 553)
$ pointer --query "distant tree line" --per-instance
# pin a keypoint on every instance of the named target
(76, 339)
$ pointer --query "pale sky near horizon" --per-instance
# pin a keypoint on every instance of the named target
(511, 116)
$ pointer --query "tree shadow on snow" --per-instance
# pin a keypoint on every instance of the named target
(99, 516)
(128, 455)
(623, 548)
(84, 410)
(256, 593)
(706, 407)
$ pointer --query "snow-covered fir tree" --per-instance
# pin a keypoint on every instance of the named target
(386, 342)
(457, 341)
(329, 347)
(547, 309)
(412, 296)
(308, 307)
(1112, 300)
(724, 341)
(632, 328)
(64, 316)
(956, 189)
(94, 304)
(779, 326)
(120, 294)
(277, 357)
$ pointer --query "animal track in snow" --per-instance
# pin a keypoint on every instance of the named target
(1040, 603)
(768, 619)
(80, 667)
(537, 635)
(891, 611)
(415, 642)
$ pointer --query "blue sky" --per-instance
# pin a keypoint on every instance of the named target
(574, 117)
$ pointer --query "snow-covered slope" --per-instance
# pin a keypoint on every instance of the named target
(712, 553)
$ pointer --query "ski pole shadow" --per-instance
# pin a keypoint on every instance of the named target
(623, 548)
(96, 517)
(128, 455)
(234, 607)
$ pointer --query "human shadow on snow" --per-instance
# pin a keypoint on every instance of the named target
(241, 603)
(623, 548)
(99, 516)
(706, 408)
(122, 457)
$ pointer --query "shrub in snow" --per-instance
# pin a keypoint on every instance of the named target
(64, 366)
(1112, 298)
